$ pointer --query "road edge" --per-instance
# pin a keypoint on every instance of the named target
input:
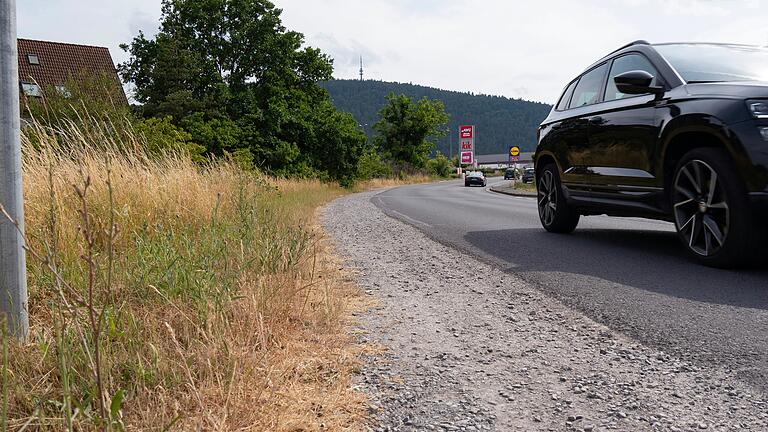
(511, 192)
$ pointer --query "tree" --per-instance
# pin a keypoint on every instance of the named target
(407, 132)
(501, 122)
(439, 165)
(232, 76)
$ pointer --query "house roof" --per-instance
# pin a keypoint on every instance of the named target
(60, 62)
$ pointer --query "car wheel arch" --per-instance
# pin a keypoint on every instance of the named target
(684, 141)
(544, 160)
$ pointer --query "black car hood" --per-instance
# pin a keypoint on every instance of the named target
(740, 89)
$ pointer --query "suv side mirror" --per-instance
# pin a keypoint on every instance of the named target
(636, 82)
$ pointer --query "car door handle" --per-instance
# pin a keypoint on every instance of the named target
(595, 120)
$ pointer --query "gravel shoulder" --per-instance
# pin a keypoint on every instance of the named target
(469, 346)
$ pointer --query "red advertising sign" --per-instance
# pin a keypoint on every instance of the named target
(467, 144)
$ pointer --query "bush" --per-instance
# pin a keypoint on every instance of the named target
(372, 166)
(161, 135)
(439, 165)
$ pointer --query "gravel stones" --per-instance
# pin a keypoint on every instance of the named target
(483, 350)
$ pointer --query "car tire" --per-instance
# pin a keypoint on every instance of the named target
(712, 213)
(555, 214)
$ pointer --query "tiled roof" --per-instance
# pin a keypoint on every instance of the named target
(60, 62)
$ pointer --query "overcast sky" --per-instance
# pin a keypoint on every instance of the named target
(525, 49)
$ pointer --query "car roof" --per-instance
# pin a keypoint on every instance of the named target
(632, 46)
(643, 46)
(709, 43)
(646, 48)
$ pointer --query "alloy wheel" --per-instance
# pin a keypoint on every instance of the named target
(701, 210)
(547, 197)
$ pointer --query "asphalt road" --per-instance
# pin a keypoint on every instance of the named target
(630, 274)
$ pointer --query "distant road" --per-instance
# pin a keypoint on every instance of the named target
(627, 273)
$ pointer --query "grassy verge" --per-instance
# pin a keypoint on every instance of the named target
(169, 296)
(518, 185)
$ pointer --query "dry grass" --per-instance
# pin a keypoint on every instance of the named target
(218, 305)
(378, 183)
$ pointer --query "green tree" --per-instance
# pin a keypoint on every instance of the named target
(455, 161)
(407, 132)
(439, 165)
(160, 135)
(372, 166)
(500, 121)
(231, 75)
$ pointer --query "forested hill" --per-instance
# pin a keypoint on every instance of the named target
(501, 122)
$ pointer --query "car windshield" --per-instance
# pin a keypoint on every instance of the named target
(475, 174)
(701, 63)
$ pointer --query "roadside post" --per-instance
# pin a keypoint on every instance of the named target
(514, 157)
(13, 268)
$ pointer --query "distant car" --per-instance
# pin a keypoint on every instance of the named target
(529, 175)
(475, 178)
(509, 174)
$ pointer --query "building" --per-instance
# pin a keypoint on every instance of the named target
(501, 160)
(47, 65)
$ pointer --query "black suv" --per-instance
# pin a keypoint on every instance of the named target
(677, 132)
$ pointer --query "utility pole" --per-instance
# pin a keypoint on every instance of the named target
(361, 68)
(13, 267)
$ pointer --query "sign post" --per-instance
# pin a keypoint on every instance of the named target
(514, 157)
(467, 144)
(13, 269)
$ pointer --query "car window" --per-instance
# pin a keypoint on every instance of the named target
(563, 104)
(623, 64)
(589, 87)
(715, 62)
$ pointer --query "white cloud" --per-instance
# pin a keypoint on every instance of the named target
(91, 22)
(514, 48)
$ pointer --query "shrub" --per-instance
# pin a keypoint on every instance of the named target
(372, 166)
(439, 165)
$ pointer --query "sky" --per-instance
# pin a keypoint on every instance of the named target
(518, 49)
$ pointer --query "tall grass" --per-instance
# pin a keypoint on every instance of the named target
(169, 296)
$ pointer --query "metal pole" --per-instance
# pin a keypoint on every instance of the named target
(13, 268)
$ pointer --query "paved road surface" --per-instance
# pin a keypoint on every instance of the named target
(628, 273)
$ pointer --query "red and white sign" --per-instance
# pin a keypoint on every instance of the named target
(466, 132)
(467, 144)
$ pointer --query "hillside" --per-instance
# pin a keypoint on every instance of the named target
(501, 122)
